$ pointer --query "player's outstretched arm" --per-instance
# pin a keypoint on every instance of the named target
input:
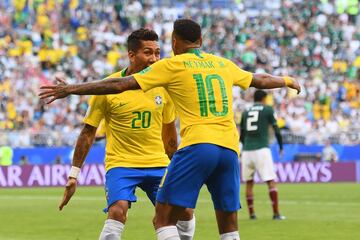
(100, 87)
(267, 81)
(83, 145)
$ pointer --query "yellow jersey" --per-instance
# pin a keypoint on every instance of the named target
(200, 86)
(133, 123)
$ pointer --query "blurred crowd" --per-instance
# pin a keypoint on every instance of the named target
(318, 42)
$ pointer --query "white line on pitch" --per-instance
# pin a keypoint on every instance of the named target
(101, 198)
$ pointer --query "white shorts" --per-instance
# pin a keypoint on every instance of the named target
(259, 160)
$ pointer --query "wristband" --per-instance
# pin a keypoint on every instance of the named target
(288, 80)
(74, 172)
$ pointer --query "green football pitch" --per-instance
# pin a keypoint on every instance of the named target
(313, 211)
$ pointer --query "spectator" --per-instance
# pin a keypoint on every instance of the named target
(329, 154)
(24, 160)
(6, 155)
(58, 160)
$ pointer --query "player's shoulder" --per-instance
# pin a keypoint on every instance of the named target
(221, 60)
(247, 109)
(167, 60)
(269, 108)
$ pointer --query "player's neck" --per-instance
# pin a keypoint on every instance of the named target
(130, 70)
(187, 47)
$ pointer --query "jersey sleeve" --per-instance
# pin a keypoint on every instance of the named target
(242, 78)
(101, 131)
(169, 109)
(157, 75)
(96, 110)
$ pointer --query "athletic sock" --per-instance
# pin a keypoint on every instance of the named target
(230, 236)
(167, 233)
(186, 229)
(273, 193)
(112, 230)
(250, 203)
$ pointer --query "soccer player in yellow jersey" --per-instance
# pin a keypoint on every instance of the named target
(138, 126)
(200, 85)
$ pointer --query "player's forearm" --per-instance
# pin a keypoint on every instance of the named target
(104, 87)
(83, 145)
(169, 137)
(267, 81)
(171, 147)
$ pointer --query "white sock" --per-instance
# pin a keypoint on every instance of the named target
(186, 229)
(167, 233)
(112, 230)
(230, 236)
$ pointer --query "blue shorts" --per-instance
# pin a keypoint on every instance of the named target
(199, 164)
(120, 183)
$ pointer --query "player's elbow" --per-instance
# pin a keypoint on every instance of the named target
(260, 80)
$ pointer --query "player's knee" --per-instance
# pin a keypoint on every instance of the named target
(164, 215)
(271, 184)
(187, 215)
(118, 211)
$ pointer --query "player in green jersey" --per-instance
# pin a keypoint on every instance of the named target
(256, 156)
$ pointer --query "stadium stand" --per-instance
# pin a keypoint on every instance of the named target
(317, 41)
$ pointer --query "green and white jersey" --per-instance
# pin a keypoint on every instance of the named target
(255, 123)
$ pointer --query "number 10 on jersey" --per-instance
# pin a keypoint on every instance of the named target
(207, 97)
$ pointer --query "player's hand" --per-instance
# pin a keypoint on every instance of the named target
(295, 85)
(57, 91)
(70, 189)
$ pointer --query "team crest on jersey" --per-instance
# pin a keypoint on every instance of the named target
(158, 100)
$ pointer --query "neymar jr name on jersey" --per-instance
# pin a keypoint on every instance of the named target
(198, 64)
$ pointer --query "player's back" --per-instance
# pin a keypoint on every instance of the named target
(255, 123)
(200, 85)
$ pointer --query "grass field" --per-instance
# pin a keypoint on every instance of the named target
(314, 211)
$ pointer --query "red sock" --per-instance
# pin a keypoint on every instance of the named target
(250, 203)
(273, 193)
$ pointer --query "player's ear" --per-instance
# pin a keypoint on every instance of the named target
(131, 56)
(200, 42)
(173, 42)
